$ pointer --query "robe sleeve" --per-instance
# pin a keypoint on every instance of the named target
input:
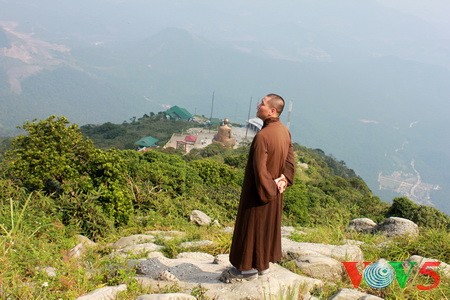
(289, 165)
(265, 185)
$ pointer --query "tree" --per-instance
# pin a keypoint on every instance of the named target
(51, 156)
(54, 157)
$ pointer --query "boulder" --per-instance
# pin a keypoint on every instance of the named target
(363, 225)
(200, 218)
(195, 270)
(104, 293)
(443, 268)
(196, 244)
(339, 252)
(395, 226)
(321, 267)
(351, 294)
(169, 296)
(80, 249)
(133, 240)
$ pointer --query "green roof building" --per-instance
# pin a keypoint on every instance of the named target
(176, 112)
(147, 141)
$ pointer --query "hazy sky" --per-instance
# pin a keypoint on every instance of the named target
(437, 11)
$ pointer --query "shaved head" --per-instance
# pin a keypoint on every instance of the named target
(275, 101)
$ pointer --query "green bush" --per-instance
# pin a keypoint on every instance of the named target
(424, 216)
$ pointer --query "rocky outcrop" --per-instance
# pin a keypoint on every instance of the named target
(169, 296)
(443, 268)
(363, 225)
(190, 271)
(104, 293)
(395, 226)
(391, 227)
(352, 294)
(200, 218)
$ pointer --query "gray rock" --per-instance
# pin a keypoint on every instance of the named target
(80, 249)
(170, 296)
(50, 271)
(443, 268)
(395, 226)
(351, 294)
(85, 240)
(141, 248)
(200, 218)
(199, 244)
(353, 242)
(192, 272)
(363, 225)
(169, 234)
(287, 230)
(228, 229)
(222, 259)
(195, 255)
(133, 240)
(104, 293)
(341, 253)
(321, 267)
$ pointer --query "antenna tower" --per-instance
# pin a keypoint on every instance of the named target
(289, 115)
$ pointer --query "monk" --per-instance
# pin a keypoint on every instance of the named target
(270, 169)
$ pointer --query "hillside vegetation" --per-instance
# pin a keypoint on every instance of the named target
(56, 183)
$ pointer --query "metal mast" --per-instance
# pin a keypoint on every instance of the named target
(289, 115)
(212, 106)
(248, 117)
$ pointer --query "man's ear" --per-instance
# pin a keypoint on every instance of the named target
(273, 111)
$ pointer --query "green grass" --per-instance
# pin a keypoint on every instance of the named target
(431, 243)
(31, 240)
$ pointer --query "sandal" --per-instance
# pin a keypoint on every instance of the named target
(232, 275)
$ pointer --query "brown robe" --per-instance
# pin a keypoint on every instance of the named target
(257, 232)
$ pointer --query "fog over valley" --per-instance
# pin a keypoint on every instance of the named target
(368, 80)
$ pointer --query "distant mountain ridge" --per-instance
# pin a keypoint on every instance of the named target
(39, 78)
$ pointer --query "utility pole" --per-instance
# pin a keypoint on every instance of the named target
(248, 117)
(210, 116)
(289, 115)
(212, 106)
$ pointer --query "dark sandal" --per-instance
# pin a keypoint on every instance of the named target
(232, 275)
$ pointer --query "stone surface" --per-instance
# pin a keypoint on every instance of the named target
(104, 293)
(200, 218)
(133, 240)
(341, 253)
(443, 267)
(202, 271)
(320, 266)
(198, 244)
(363, 225)
(395, 226)
(352, 294)
(140, 248)
(169, 296)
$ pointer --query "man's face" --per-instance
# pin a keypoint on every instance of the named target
(264, 109)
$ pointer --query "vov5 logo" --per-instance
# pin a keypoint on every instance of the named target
(381, 273)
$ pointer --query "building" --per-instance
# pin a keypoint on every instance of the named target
(255, 124)
(178, 113)
(146, 142)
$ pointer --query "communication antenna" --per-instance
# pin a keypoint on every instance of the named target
(289, 115)
(248, 117)
(210, 116)
(212, 106)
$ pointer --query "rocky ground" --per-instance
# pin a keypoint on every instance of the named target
(321, 263)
